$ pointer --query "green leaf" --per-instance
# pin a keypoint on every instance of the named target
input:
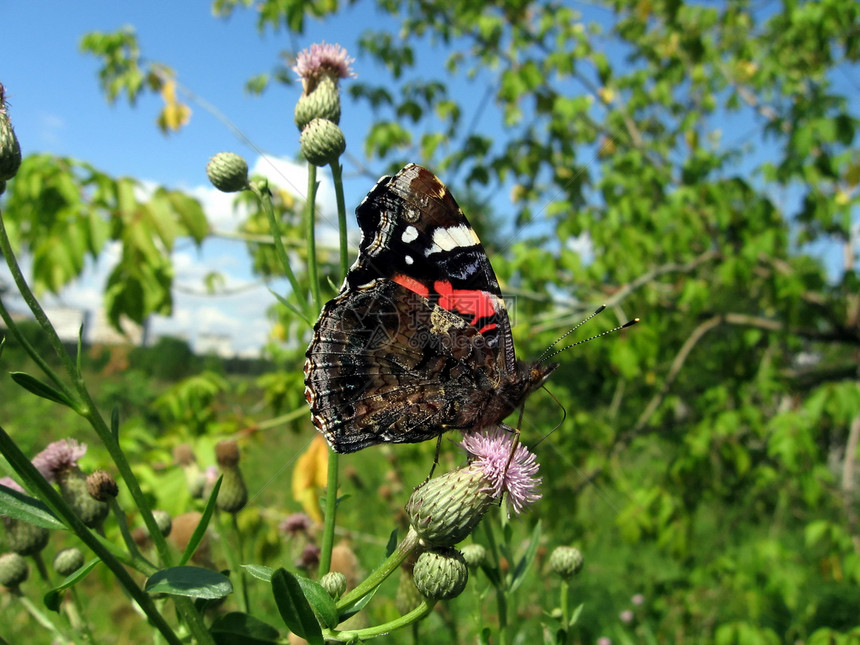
(200, 531)
(39, 388)
(294, 607)
(259, 571)
(321, 602)
(20, 506)
(55, 596)
(525, 562)
(237, 628)
(193, 582)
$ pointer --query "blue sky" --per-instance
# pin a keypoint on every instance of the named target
(58, 107)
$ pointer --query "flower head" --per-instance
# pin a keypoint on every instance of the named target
(323, 58)
(512, 474)
(637, 599)
(58, 457)
(626, 616)
(296, 524)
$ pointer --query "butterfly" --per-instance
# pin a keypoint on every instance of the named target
(418, 340)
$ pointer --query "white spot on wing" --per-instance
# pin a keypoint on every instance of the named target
(410, 234)
(448, 239)
(408, 259)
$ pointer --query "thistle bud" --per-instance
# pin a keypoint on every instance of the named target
(474, 555)
(233, 494)
(440, 574)
(13, 570)
(228, 172)
(101, 485)
(566, 561)
(10, 149)
(322, 142)
(334, 582)
(73, 486)
(24, 538)
(446, 509)
(322, 103)
(67, 561)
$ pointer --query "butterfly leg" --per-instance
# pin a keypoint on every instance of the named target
(435, 462)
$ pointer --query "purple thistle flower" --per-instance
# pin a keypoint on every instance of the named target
(626, 616)
(8, 482)
(637, 599)
(516, 476)
(59, 456)
(295, 524)
(321, 58)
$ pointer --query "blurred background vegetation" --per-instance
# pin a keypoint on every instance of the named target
(694, 164)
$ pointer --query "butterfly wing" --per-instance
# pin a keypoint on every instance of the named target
(386, 365)
(414, 233)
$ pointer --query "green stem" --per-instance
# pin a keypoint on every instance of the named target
(265, 199)
(565, 610)
(122, 522)
(330, 517)
(337, 176)
(40, 565)
(74, 611)
(358, 635)
(237, 560)
(310, 220)
(407, 545)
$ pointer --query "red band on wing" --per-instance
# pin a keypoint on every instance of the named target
(412, 284)
(466, 301)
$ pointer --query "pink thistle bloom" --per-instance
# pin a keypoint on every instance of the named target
(58, 457)
(638, 599)
(8, 482)
(626, 616)
(295, 524)
(516, 476)
(322, 58)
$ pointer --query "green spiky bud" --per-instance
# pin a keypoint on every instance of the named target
(24, 538)
(73, 486)
(566, 561)
(441, 574)
(10, 150)
(446, 509)
(322, 142)
(13, 570)
(233, 494)
(474, 555)
(228, 172)
(67, 561)
(334, 582)
(322, 103)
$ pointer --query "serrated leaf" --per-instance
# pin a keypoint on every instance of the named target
(20, 506)
(237, 628)
(39, 388)
(193, 582)
(294, 608)
(54, 597)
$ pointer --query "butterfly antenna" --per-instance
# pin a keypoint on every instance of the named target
(542, 358)
(629, 323)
